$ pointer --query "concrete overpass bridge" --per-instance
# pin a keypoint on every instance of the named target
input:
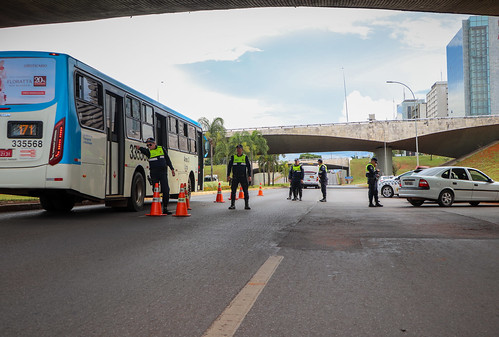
(451, 137)
(33, 12)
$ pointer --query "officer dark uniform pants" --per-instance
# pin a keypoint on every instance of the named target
(373, 190)
(297, 189)
(236, 180)
(160, 175)
(323, 188)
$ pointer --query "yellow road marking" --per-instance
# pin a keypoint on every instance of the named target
(229, 321)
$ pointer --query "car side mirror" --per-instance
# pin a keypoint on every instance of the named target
(490, 181)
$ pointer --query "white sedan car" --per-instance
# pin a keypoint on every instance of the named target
(389, 186)
(447, 185)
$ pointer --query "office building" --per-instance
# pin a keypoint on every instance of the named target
(410, 109)
(436, 100)
(473, 68)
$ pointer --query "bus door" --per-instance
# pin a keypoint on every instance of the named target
(200, 152)
(161, 131)
(115, 145)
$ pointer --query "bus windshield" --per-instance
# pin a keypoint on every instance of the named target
(26, 80)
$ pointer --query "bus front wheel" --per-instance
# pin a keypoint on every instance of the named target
(138, 192)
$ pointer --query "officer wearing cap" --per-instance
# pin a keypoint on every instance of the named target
(322, 179)
(158, 161)
(241, 174)
(296, 175)
(372, 174)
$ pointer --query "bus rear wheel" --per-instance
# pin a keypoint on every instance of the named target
(138, 193)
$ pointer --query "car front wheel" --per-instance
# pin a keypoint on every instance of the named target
(446, 198)
(387, 191)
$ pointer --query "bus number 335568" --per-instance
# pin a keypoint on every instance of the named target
(27, 143)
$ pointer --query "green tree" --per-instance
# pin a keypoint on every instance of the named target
(268, 163)
(213, 131)
(309, 156)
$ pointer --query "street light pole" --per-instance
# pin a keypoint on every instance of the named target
(415, 122)
(162, 82)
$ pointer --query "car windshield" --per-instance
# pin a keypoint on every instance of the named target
(430, 171)
(406, 174)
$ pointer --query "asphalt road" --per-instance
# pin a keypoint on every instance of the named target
(346, 269)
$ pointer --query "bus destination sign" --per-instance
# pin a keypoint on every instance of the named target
(24, 129)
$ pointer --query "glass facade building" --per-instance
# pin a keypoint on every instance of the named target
(455, 76)
(472, 68)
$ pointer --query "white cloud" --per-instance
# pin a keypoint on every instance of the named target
(360, 107)
(424, 31)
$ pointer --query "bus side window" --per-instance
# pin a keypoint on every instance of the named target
(173, 133)
(89, 102)
(132, 111)
(191, 133)
(147, 122)
(182, 138)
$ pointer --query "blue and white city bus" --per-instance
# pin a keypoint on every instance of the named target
(67, 133)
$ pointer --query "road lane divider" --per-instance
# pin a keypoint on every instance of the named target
(231, 318)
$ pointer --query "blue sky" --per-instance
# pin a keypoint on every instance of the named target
(261, 67)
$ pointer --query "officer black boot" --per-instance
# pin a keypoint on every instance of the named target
(246, 204)
(232, 206)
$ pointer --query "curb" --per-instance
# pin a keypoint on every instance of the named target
(27, 206)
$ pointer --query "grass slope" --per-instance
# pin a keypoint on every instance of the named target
(486, 161)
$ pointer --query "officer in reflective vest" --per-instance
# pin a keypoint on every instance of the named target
(296, 175)
(158, 161)
(322, 179)
(372, 174)
(241, 174)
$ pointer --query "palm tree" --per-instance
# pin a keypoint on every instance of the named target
(213, 131)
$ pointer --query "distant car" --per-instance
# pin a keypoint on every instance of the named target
(388, 186)
(311, 176)
(208, 177)
(447, 185)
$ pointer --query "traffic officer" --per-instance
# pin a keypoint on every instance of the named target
(296, 175)
(322, 179)
(158, 161)
(372, 174)
(241, 174)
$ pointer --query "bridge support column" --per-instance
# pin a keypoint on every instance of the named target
(385, 163)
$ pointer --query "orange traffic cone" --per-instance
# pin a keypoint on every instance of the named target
(181, 205)
(156, 209)
(241, 193)
(220, 197)
(260, 192)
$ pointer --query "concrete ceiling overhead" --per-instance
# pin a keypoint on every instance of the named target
(33, 12)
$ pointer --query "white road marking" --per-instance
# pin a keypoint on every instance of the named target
(229, 321)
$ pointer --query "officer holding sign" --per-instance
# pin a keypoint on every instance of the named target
(158, 161)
